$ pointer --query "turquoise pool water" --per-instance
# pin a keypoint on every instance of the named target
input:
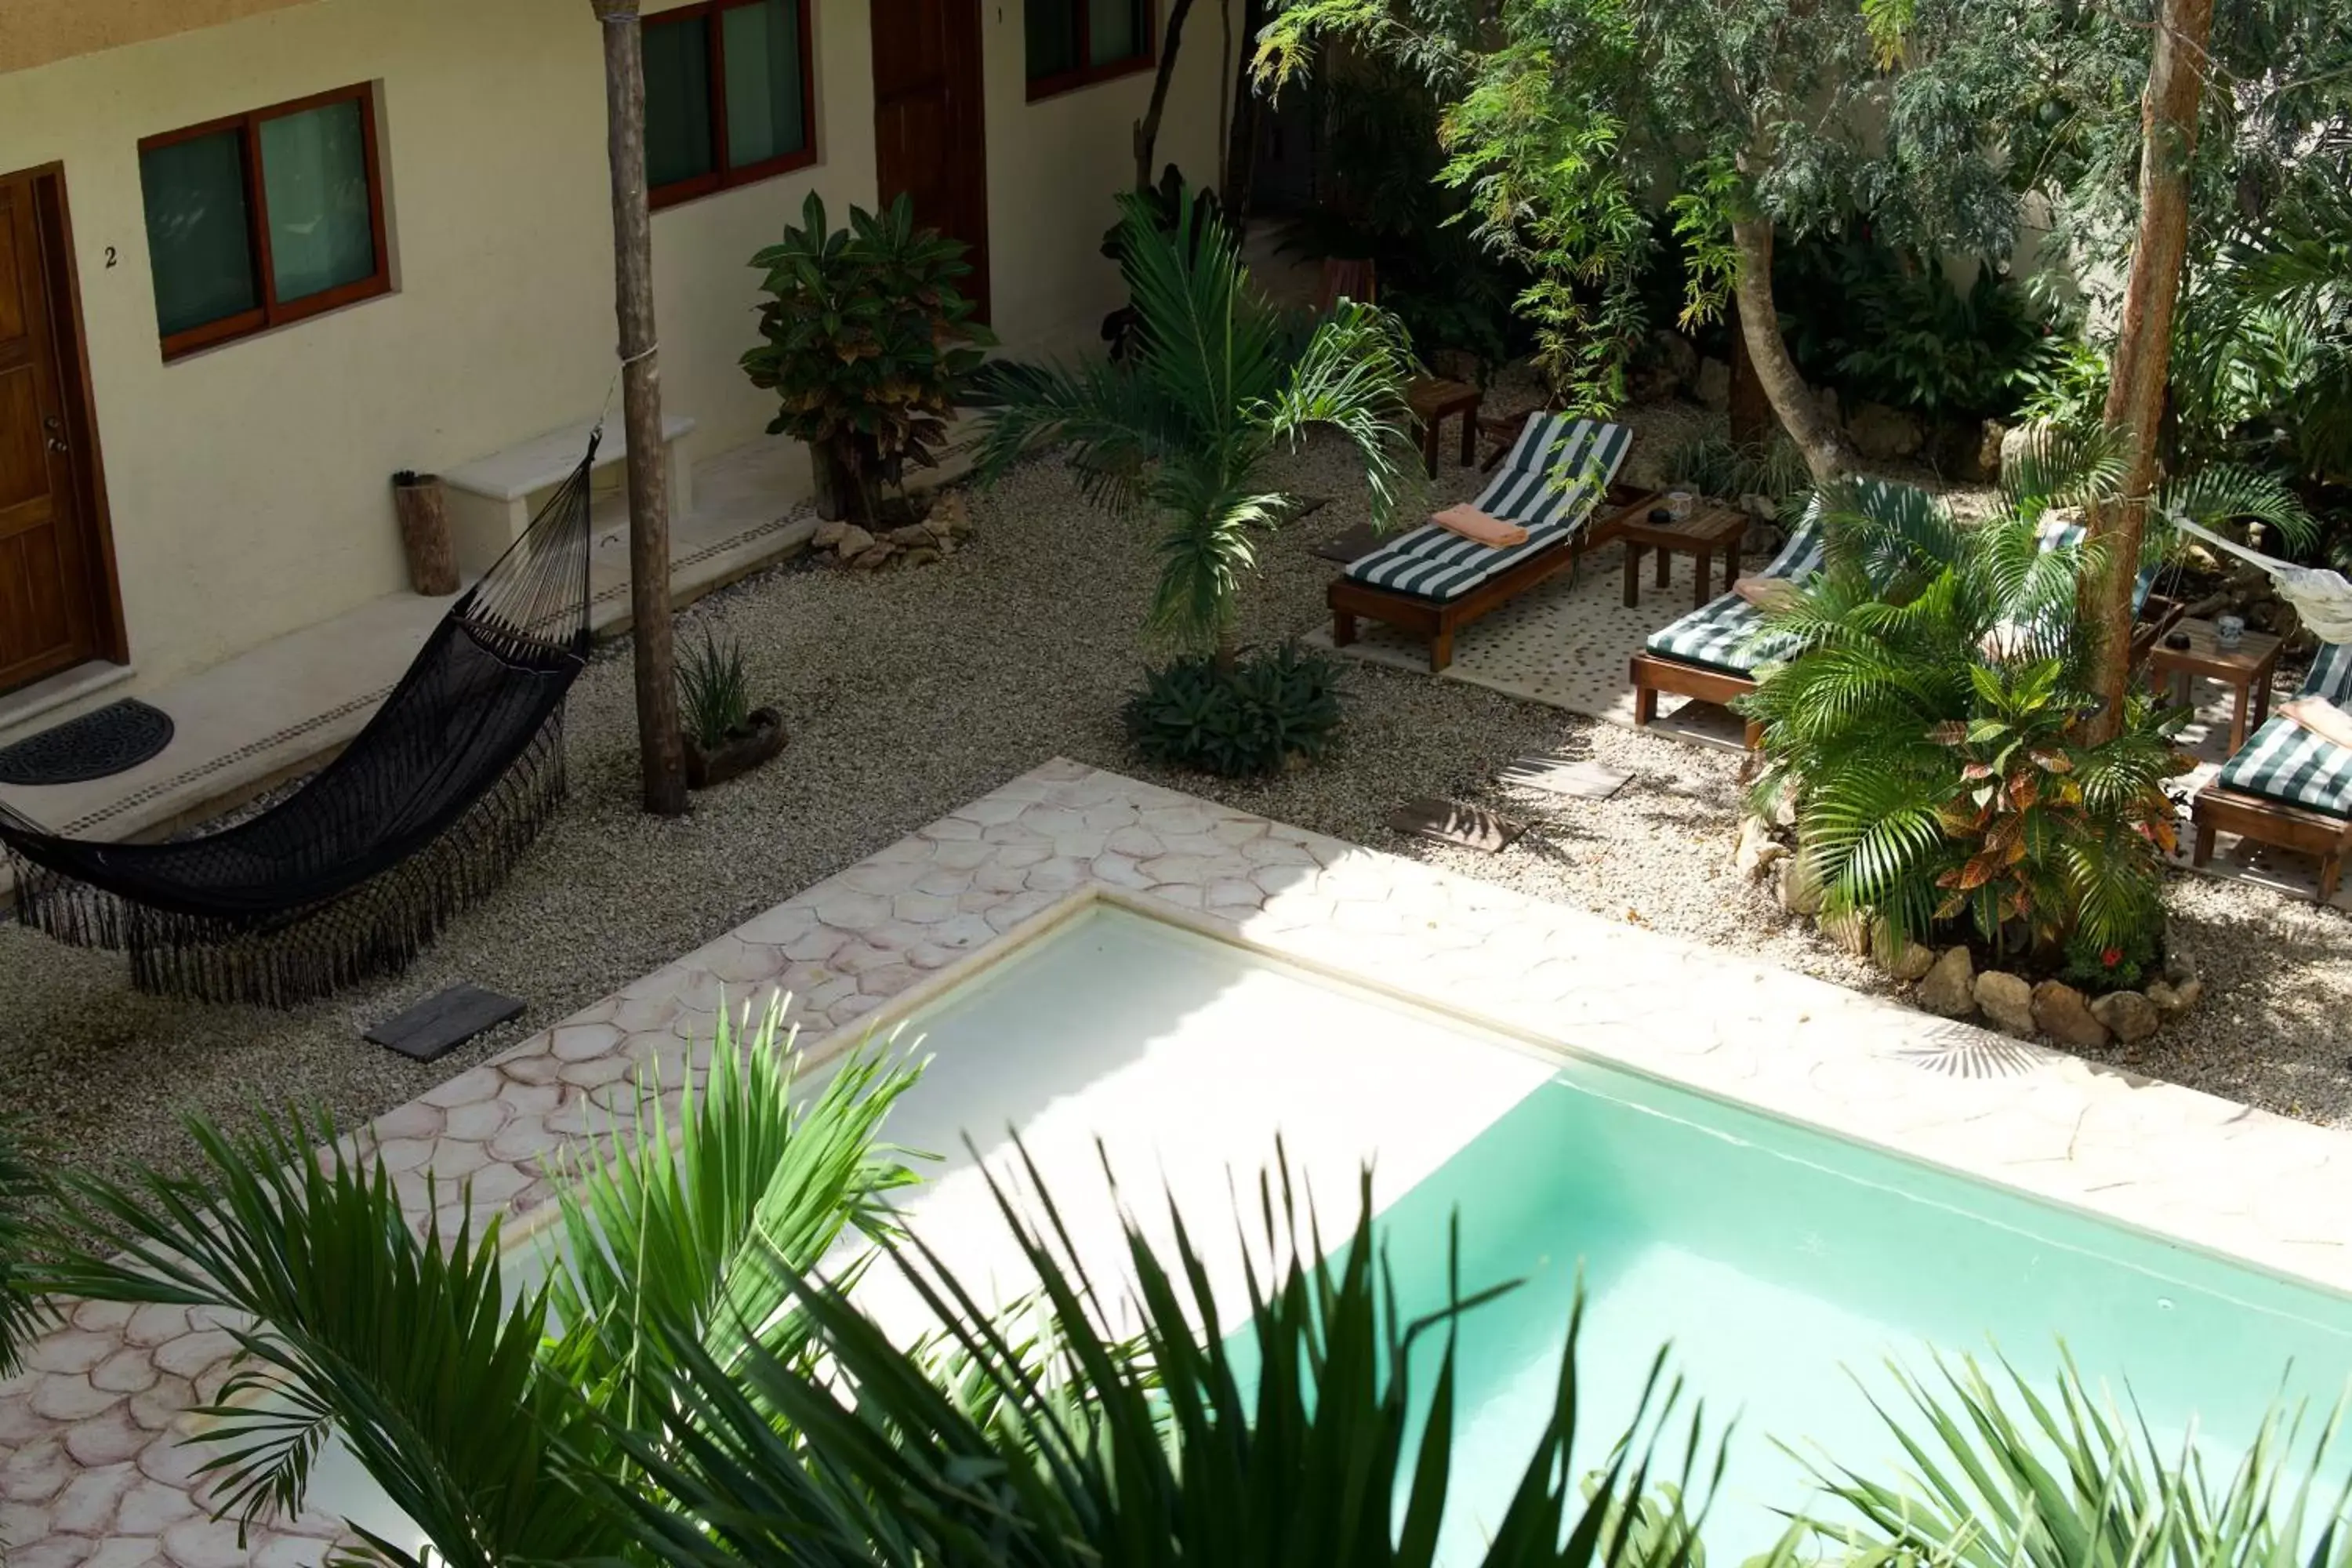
(1782, 1263)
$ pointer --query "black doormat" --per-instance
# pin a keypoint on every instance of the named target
(112, 740)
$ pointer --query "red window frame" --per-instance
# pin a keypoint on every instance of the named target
(1058, 82)
(271, 311)
(721, 177)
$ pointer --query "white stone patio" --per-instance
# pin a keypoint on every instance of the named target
(94, 1471)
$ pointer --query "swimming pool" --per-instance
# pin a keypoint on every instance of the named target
(1785, 1265)
(1776, 1259)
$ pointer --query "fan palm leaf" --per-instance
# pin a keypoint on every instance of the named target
(22, 1313)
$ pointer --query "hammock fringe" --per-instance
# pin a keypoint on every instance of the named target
(375, 929)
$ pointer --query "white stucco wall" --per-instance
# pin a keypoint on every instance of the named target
(248, 483)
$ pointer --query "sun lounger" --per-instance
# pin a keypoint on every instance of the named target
(1430, 582)
(2287, 786)
(1713, 653)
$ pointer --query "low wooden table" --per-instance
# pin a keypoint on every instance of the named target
(1706, 533)
(2246, 669)
(1434, 401)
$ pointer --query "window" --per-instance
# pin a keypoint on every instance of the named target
(727, 96)
(264, 217)
(1073, 42)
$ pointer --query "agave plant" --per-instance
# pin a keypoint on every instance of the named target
(2076, 1482)
(1214, 381)
(492, 1413)
(1931, 721)
(1290, 1442)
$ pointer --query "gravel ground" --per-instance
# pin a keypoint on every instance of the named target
(909, 693)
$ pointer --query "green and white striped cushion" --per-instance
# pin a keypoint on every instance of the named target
(1721, 634)
(1556, 473)
(2284, 762)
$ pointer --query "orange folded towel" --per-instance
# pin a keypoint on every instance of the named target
(2322, 718)
(1473, 524)
(1768, 592)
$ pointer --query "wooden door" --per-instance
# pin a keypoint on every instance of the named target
(52, 613)
(929, 121)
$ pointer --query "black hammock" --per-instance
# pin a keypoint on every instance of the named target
(421, 814)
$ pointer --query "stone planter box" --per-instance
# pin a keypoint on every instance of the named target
(759, 738)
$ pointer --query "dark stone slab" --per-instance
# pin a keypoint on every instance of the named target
(1586, 779)
(1450, 822)
(439, 1025)
(1353, 545)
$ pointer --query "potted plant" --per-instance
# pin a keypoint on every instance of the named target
(726, 737)
(868, 345)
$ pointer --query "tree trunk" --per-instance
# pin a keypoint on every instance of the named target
(1241, 139)
(1826, 450)
(1751, 408)
(2169, 112)
(660, 753)
(1147, 129)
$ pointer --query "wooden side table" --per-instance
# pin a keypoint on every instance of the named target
(2246, 669)
(1706, 533)
(1434, 401)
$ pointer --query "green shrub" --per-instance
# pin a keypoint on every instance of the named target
(1250, 720)
(1714, 464)
(867, 344)
(714, 691)
(1931, 721)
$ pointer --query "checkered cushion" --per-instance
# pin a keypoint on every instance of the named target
(2284, 762)
(1556, 471)
(1720, 634)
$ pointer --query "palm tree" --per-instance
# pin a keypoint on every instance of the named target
(1217, 381)
(493, 1413)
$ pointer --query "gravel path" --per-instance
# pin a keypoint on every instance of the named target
(909, 693)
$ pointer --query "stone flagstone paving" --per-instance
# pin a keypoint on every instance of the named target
(92, 1470)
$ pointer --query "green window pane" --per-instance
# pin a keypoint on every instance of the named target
(677, 100)
(760, 46)
(1114, 30)
(1052, 29)
(314, 171)
(198, 239)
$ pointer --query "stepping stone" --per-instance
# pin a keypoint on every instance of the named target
(439, 1025)
(1557, 775)
(1450, 822)
(1353, 545)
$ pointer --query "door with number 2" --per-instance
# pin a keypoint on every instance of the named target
(57, 598)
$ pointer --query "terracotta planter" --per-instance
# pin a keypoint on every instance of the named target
(759, 738)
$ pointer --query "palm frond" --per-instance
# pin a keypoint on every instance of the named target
(668, 1223)
(1282, 1443)
(407, 1347)
(23, 1313)
(2220, 495)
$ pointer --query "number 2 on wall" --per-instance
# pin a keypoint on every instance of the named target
(111, 258)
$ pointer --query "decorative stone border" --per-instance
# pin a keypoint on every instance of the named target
(93, 1472)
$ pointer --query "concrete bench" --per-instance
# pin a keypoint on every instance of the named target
(491, 499)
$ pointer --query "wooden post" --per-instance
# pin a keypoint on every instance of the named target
(2177, 72)
(661, 754)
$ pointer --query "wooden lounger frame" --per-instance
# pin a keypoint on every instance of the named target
(2275, 823)
(1435, 621)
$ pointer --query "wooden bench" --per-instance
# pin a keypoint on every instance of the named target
(491, 499)
(1435, 621)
